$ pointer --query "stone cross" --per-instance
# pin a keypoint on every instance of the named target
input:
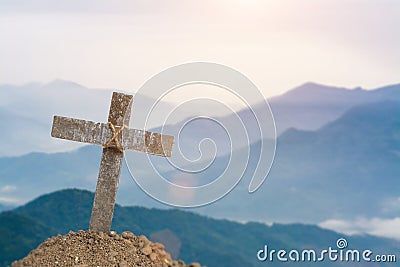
(115, 137)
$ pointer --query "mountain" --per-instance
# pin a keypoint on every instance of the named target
(307, 107)
(210, 241)
(26, 113)
(348, 169)
(26, 177)
(19, 235)
(311, 106)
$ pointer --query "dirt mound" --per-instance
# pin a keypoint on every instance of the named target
(88, 248)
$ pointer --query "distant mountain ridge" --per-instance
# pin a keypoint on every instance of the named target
(29, 109)
(316, 93)
(307, 107)
(213, 242)
(348, 169)
(311, 106)
(311, 169)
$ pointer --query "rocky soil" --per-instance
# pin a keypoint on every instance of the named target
(88, 248)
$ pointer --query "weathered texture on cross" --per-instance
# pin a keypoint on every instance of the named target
(115, 137)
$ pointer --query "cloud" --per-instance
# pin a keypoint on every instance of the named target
(10, 201)
(389, 228)
(8, 188)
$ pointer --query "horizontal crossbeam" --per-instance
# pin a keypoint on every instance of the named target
(99, 134)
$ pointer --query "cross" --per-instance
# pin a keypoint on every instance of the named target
(115, 137)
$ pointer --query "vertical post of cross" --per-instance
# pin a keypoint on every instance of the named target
(110, 167)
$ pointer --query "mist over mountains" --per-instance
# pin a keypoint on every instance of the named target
(26, 112)
(337, 157)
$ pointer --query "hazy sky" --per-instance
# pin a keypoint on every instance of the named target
(278, 44)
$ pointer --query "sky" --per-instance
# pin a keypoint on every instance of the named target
(277, 44)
